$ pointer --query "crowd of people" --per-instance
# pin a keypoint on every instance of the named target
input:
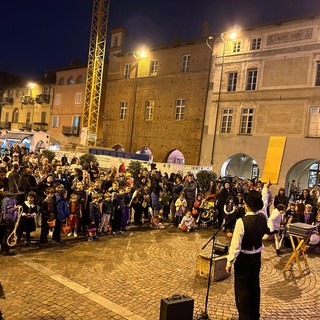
(76, 198)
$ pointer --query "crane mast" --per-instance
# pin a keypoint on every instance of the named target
(96, 61)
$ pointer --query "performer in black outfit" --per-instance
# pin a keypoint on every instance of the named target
(245, 255)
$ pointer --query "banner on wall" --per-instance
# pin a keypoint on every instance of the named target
(107, 162)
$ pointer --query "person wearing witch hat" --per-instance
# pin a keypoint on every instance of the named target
(245, 256)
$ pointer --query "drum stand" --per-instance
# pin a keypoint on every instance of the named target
(297, 250)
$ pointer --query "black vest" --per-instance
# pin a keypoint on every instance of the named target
(255, 227)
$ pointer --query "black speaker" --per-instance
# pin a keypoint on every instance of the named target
(177, 307)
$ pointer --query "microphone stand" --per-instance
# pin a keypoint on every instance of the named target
(204, 315)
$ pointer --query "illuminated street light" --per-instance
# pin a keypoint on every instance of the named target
(231, 36)
(138, 55)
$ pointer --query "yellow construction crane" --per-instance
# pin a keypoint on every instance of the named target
(96, 61)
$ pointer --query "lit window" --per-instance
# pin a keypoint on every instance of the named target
(246, 122)
(153, 67)
(232, 81)
(226, 122)
(70, 80)
(252, 79)
(123, 110)
(55, 122)
(180, 109)
(149, 110)
(236, 46)
(127, 70)
(256, 44)
(185, 63)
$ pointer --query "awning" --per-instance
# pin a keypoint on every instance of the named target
(18, 136)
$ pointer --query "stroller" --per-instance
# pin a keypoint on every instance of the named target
(208, 217)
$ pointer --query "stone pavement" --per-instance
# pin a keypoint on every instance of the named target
(125, 277)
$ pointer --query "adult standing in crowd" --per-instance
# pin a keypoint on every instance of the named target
(190, 189)
(245, 255)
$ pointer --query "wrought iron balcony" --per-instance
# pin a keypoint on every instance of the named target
(43, 98)
(6, 100)
(40, 126)
(24, 126)
(27, 100)
(70, 131)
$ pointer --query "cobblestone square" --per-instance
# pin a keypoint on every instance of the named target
(126, 276)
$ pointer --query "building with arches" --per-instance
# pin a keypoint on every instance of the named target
(265, 105)
(25, 115)
(156, 101)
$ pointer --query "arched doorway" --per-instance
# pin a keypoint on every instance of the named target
(15, 115)
(240, 165)
(40, 145)
(175, 156)
(306, 173)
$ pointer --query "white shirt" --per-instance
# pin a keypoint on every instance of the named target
(235, 247)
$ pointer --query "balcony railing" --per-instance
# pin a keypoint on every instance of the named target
(6, 100)
(70, 131)
(37, 126)
(27, 100)
(24, 126)
(40, 126)
(43, 98)
(5, 125)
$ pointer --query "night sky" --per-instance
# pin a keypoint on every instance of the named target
(39, 35)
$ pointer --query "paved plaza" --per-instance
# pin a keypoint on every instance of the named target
(125, 277)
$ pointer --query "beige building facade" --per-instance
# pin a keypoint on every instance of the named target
(263, 111)
(156, 102)
(25, 115)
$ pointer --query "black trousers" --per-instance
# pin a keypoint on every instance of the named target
(247, 285)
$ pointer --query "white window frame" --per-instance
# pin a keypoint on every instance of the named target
(314, 122)
(252, 79)
(256, 44)
(55, 121)
(236, 46)
(123, 110)
(149, 110)
(153, 67)
(180, 109)
(127, 70)
(185, 63)
(232, 81)
(246, 121)
(78, 98)
(57, 99)
(226, 120)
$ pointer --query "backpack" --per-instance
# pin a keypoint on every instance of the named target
(9, 211)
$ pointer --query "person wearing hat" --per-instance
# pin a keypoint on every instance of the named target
(245, 255)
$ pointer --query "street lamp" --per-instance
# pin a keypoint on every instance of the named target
(138, 55)
(231, 36)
